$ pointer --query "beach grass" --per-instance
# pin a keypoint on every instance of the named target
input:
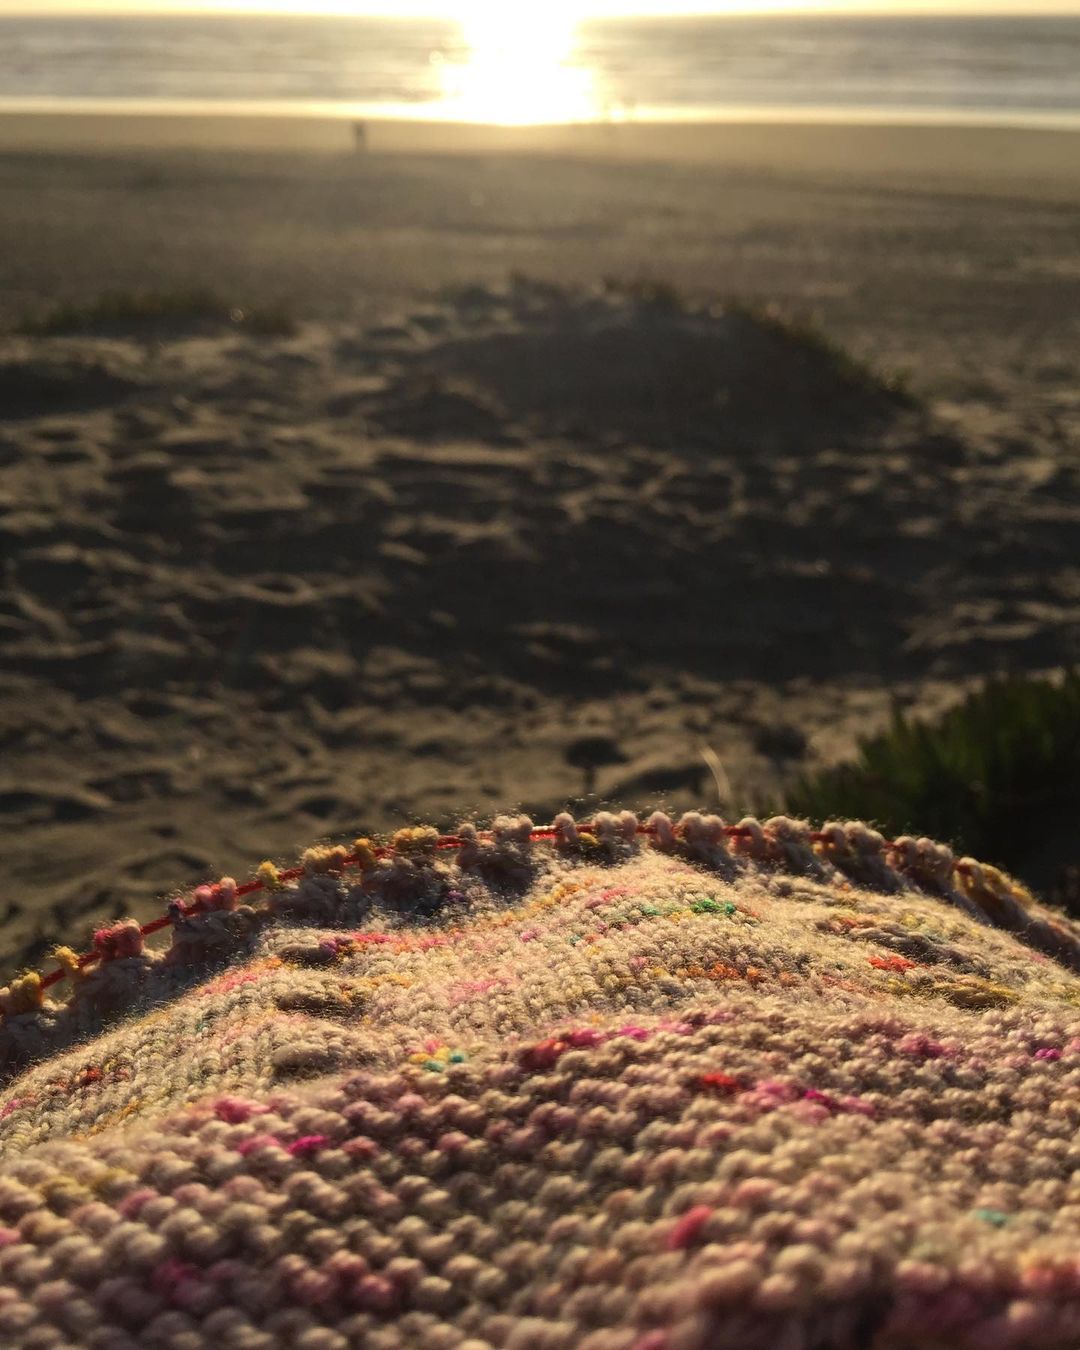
(795, 331)
(146, 309)
(990, 776)
(800, 331)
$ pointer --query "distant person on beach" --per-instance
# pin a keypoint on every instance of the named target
(360, 137)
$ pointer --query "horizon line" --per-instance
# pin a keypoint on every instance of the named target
(838, 9)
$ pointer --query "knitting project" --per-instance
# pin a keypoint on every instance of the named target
(620, 1086)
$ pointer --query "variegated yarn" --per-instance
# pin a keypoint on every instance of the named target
(669, 1086)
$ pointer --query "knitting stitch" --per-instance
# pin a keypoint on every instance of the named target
(669, 1086)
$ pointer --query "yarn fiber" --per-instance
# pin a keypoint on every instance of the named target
(672, 1087)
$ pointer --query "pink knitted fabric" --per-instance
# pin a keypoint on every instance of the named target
(704, 1086)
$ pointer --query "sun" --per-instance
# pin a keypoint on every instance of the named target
(519, 65)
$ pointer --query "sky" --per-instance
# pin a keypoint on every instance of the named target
(455, 8)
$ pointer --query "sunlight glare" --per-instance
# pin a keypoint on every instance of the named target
(519, 66)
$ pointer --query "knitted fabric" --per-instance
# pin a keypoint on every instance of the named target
(704, 1086)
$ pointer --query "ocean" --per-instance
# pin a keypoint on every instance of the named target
(545, 69)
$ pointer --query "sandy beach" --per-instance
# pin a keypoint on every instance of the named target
(382, 540)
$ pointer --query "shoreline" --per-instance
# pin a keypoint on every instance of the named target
(431, 115)
(996, 157)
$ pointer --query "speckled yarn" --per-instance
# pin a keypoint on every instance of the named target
(753, 1087)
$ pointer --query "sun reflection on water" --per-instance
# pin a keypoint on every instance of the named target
(519, 66)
